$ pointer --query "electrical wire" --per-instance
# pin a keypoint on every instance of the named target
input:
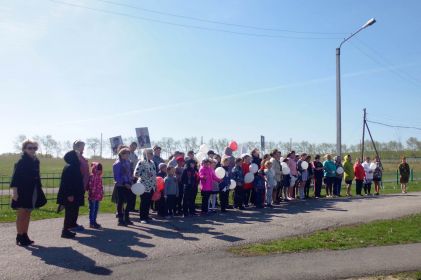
(395, 126)
(191, 26)
(215, 21)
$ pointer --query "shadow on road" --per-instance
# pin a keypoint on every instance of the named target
(68, 258)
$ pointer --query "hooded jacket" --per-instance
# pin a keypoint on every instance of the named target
(71, 181)
(26, 178)
(95, 188)
(329, 168)
(348, 169)
(207, 177)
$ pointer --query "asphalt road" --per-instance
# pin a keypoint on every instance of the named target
(164, 246)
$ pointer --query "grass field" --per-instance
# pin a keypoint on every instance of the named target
(380, 233)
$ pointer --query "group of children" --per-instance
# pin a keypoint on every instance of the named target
(274, 180)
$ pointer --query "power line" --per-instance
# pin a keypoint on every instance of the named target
(395, 126)
(192, 26)
(217, 22)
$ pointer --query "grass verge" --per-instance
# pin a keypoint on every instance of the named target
(380, 233)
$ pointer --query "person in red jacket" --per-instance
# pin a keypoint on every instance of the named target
(359, 176)
(247, 186)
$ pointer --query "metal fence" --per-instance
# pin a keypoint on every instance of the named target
(50, 183)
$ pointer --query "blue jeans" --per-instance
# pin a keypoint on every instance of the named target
(337, 186)
(93, 211)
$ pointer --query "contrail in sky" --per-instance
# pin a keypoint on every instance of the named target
(233, 95)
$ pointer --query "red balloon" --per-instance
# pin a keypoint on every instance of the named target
(233, 146)
(160, 184)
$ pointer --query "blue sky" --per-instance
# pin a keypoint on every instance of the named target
(74, 72)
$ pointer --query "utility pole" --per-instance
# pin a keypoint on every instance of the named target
(362, 141)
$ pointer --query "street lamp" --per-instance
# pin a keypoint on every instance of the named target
(338, 87)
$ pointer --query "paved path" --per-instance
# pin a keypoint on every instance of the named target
(145, 246)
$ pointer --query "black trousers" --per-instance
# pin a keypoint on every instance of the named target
(171, 204)
(71, 213)
(367, 188)
(307, 189)
(131, 202)
(123, 196)
(189, 200)
(247, 196)
(318, 182)
(259, 197)
(278, 191)
(239, 196)
(359, 186)
(180, 199)
(223, 199)
(205, 201)
(145, 205)
(162, 206)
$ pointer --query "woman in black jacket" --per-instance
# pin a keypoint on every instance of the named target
(27, 190)
(71, 193)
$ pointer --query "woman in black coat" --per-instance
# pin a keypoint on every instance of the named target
(27, 190)
(71, 193)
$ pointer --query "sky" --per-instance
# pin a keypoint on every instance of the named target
(225, 69)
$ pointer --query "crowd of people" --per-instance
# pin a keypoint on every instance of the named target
(170, 187)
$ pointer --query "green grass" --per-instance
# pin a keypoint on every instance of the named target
(380, 233)
(49, 211)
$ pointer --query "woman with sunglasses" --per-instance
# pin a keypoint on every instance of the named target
(27, 190)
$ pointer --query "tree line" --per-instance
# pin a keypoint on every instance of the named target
(48, 146)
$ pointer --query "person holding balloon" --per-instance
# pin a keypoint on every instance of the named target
(223, 174)
(302, 166)
(123, 181)
(286, 178)
(329, 168)
(292, 164)
(318, 176)
(146, 173)
(270, 183)
(207, 177)
(339, 176)
(310, 172)
(238, 176)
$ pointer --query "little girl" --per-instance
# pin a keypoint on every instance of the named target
(270, 183)
(215, 187)
(207, 177)
(95, 193)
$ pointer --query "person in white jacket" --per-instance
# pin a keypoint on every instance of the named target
(368, 176)
(270, 183)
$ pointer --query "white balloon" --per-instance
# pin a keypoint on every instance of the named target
(220, 172)
(233, 184)
(204, 148)
(286, 170)
(253, 168)
(340, 170)
(249, 178)
(282, 160)
(304, 165)
(200, 156)
(373, 166)
(138, 189)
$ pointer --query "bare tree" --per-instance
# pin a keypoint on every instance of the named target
(17, 144)
(93, 144)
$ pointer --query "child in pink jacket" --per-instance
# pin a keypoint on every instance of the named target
(95, 193)
(207, 177)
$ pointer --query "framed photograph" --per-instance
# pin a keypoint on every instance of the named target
(142, 134)
(115, 142)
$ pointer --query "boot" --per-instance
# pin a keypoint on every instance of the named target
(26, 238)
(121, 222)
(20, 241)
(127, 220)
(67, 234)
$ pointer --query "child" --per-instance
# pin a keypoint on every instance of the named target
(224, 186)
(189, 181)
(270, 183)
(161, 204)
(377, 176)
(247, 186)
(259, 188)
(238, 176)
(178, 172)
(171, 191)
(215, 187)
(123, 179)
(95, 194)
(207, 177)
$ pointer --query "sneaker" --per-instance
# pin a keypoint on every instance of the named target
(143, 222)
(269, 205)
(68, 234)
(95, 226)
(121, 224)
